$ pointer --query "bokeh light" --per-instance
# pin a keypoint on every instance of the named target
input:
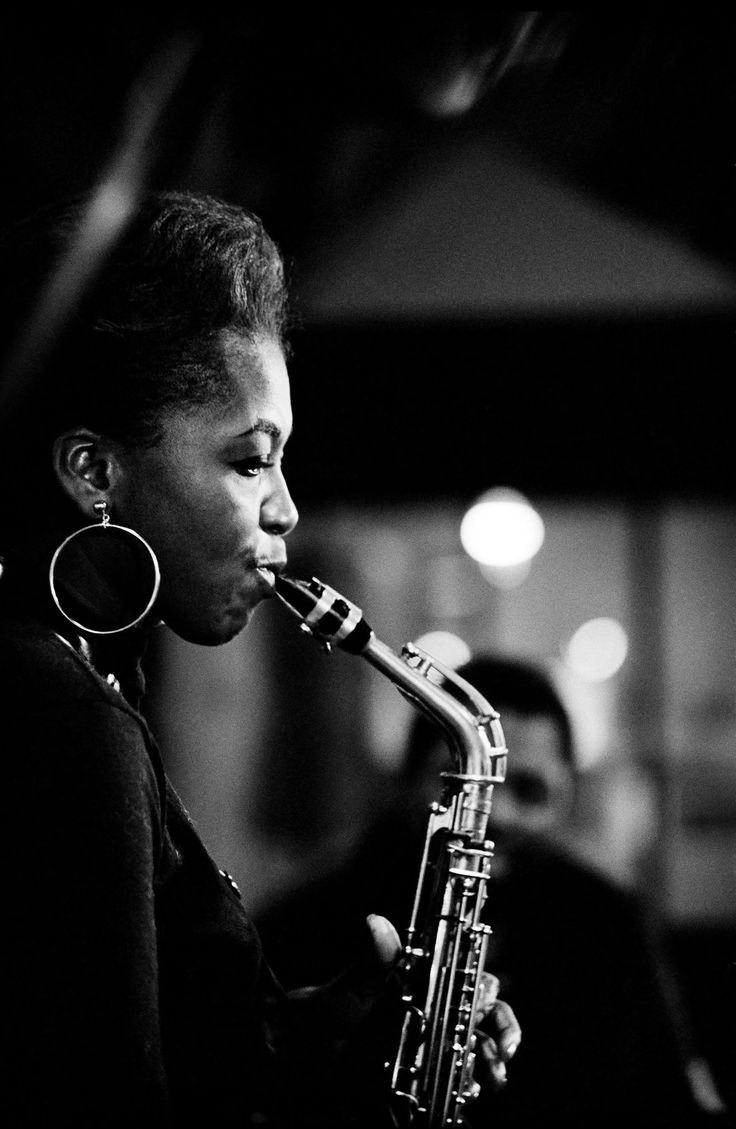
(597, 650)
(449, 648)
(508, 576)
(502, 529)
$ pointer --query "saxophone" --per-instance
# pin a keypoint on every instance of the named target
(445, 947)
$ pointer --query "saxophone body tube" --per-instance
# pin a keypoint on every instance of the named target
(446, 943)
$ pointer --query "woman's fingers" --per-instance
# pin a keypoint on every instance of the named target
(386, 943)
(489, 1066)
(507, 1034)
(497, 1044)
(487, 995)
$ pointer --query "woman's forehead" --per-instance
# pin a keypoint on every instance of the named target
(252, 398)
(256, 370)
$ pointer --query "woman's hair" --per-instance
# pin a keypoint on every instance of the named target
(507, 683)
(139, 335)
(140, 338)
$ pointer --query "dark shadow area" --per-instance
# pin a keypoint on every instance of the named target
(616, 409)
(705, 958)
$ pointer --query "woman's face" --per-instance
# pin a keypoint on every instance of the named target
(211, 499)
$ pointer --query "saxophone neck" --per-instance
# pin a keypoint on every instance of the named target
(470, 723)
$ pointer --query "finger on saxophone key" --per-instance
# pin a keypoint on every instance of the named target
(497, 1049)
(494, 1065)
(386, 942)
(508, 1031)
(487, 995)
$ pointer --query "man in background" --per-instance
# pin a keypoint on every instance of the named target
(605, 1041)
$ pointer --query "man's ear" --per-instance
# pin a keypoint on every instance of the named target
(85, 467)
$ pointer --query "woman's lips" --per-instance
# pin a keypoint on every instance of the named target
(267, 576)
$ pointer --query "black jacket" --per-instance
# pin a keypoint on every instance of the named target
(136, 990)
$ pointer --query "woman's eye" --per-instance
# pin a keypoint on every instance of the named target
(251, 468)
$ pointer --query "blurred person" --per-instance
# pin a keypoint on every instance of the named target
(142, 483)
(604, 1041)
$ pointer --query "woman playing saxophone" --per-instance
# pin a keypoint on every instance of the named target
(146, 407)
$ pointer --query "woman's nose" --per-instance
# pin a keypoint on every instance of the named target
(279, 515)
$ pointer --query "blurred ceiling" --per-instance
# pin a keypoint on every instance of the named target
(476, 204)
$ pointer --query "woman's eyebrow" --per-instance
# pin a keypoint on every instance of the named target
(265, 426)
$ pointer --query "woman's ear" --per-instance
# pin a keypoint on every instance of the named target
(85, 467)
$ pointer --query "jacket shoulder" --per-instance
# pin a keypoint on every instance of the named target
(35, 660)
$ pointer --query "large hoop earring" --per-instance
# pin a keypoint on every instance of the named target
(104, 578)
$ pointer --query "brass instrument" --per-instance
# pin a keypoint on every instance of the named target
(445, 947)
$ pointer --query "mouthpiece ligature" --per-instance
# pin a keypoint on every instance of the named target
(324, 613)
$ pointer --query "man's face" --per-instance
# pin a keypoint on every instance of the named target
(211, 498)
(537, 793)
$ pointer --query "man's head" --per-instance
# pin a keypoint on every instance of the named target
(537, 794)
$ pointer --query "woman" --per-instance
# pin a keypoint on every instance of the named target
(144, 483)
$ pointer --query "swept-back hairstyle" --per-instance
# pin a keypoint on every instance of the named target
(140, 338)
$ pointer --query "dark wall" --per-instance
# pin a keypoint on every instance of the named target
(617, 409)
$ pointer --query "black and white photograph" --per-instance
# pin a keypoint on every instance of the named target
(368, 567)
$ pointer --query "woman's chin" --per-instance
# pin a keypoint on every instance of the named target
(212, 631)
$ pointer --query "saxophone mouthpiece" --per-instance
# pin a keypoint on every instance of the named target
(324, 613)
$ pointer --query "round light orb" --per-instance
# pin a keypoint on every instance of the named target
(449, 648)
(502, 529)
(506, 576)
(597, 650)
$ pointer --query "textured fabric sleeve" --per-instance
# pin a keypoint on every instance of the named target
(331, 1042)
(83, 998)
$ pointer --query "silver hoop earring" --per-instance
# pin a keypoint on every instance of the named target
(104, 578)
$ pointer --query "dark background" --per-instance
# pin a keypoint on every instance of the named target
(312, 118)
(309, 119)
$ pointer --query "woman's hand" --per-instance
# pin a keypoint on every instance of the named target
(496, 1044)
(386, 943)
(330, 1027)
